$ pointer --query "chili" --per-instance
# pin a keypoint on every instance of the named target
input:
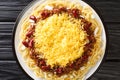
(41, 63)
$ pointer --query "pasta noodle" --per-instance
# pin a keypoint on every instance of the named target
(87, 13)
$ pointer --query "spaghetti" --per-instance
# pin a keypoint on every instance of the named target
(61, 41)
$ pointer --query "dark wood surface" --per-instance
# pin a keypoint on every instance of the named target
(110, 11)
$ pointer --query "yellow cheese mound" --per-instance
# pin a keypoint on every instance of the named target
(60, 38)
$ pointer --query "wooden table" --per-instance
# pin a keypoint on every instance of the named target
(110, 11)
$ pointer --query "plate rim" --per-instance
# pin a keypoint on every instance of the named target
(28, 7)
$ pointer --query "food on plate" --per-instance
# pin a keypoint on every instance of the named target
(60, 40)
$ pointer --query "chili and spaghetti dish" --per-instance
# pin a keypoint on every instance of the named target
(60, 40)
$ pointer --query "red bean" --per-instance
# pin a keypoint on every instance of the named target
(46, 68)
(32, 17)
(31, 43)
(25, 43)
(75, 13)
(45, 14)
(59, 70)
(29, 33)
(42, 63)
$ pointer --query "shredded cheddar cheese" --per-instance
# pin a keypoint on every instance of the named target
(60, 38)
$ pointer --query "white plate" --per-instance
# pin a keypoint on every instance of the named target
(16, 40)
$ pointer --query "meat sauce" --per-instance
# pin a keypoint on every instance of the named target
(41, 63)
